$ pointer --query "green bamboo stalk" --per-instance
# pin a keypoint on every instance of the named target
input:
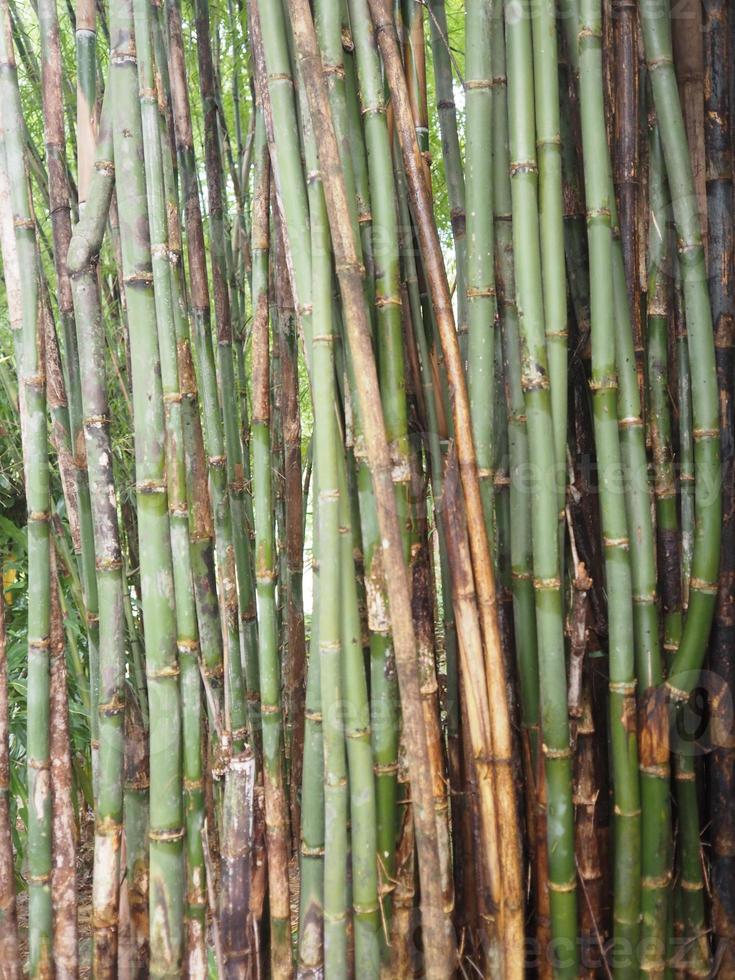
(82, 262)
(52, 76)
(162, 669)
(544, 515)
(622, 684)
(235, 715)
(85, 42)
(480, 275)
(705, 559)
(9, 949)
(276, 807)
(520, 499)
(439, 947)
(453, 175)
(356, 731)
(187, 640)
(32, 389)
(551, 227)
(311, 893)
(225, 363)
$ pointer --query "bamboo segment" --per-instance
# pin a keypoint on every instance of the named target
(162, 669)
(623, 733)
(32, 399)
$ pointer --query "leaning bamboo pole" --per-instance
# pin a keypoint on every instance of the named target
(439, 947)
(482, 565)
(708, 498)
(718, 63)
(32, 398)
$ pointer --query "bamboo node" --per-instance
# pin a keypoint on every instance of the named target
(702, 585)
(323, 338)
(42, 879)
(622, 687)
(108, 564)
(593, 213)
(706, 434)
(385, 768)
(178, 510)
(217, 462)
(139, 279)
(556, 334)
(24, 223)
(39, 516)
(381, 301)
(661, 62)
(337, 70)
(484, 473)
(239, 733)
(365, 909)
(280, 77)
(563, 887)
(522, 576)
(96, 421)
(35, 380)
(307, 851)
(547, 584)
(105, 167)
(187, 647)
(40, 644)
(644, 599)
(270, 709)
(166, 836)
(334, 917)
(676, 692)
(172, 398)
(148, 93)
(519, 167)
(39, 765)
(589, 32)
(685, 777)
(378, 109)
(162, 673)
(477, 84)
(691, 886)
(108, 827)
(630, 814)
(481, 293)
(315, 716)
(364, 217)
(446, 104)
(604, 384)
(659, 772)
(151, 486)
(548, 141)
(215, 672)
(556, 753)
(111, 708)
(631, 422)
(623, 543)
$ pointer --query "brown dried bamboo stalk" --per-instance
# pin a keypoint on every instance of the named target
(438, 939)
(502, 741)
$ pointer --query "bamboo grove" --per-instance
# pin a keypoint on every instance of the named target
(367, 463)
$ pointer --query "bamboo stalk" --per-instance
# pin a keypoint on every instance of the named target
(623, 728)
(162, 670)
(32, 397)
(276, 810)
(482, 566)
(9, 949)
(708, 499)
(439, 946)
